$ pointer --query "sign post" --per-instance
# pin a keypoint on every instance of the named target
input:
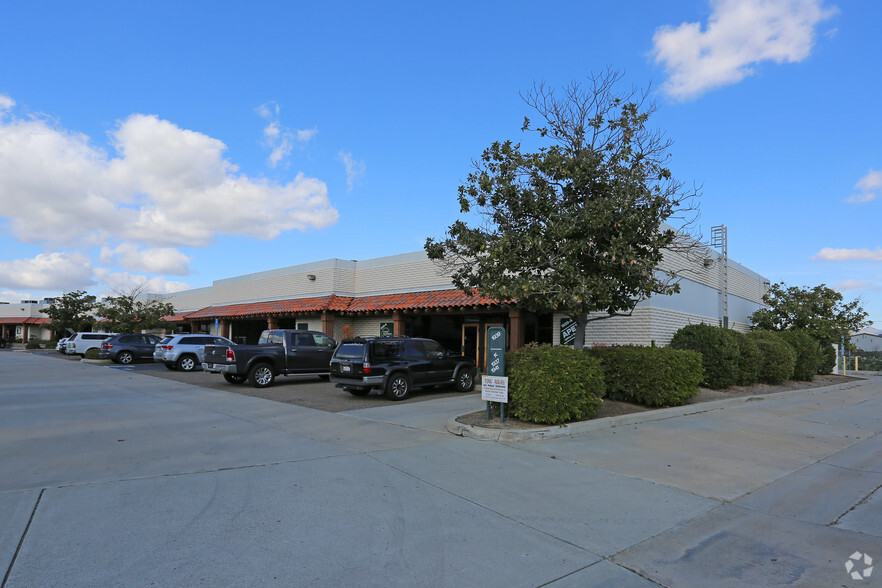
(494, 386)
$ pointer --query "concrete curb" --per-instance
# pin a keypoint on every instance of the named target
(580, 428)
(97, 361)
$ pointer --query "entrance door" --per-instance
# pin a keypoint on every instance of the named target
(470, 341)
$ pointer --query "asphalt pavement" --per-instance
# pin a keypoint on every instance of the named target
(112, 477)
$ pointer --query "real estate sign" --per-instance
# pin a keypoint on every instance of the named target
(567, 331)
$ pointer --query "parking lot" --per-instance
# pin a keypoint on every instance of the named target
(307, 391)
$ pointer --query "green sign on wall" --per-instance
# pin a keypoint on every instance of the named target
(567, 331)
(387, 329)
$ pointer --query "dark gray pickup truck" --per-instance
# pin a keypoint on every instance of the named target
(278, 352)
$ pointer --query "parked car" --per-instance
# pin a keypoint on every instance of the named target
(185, 352)
(81, 342)
(396, 365)
(128, 347)
(62, 345)
(278, 352)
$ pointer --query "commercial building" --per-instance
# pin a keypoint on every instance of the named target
(406, 295)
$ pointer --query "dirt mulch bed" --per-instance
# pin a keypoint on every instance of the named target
(612, 408)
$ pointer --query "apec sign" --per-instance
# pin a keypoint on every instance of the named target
(567, 331)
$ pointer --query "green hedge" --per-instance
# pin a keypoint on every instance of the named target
(749, 360)
(719, 351)
(553, 385)
(91, 353)
(652, 376)
(807, 353)
(778, 357)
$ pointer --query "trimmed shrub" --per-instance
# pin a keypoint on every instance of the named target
(33, 345)
(807, 354)
(749, 360)
(553, 385)
(826, 359)
(652, 376)
(719, 351)
(91, 353)
(778, 357)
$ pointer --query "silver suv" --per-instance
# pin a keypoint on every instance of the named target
(81, 342)
(185, 352)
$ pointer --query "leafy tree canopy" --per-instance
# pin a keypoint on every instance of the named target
(71, 311)
(821, 311)
(576, 226)
(131, 312)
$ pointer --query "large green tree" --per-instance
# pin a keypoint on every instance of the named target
(578, 224)
(821, 311)
(132, 311)
(71, 312)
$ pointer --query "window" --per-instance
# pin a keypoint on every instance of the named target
(433, 348)
(351, 351)
(303, 340)
(412, 349)
(324, 341)
(302, 326)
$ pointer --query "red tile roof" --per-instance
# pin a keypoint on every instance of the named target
(419, 300)
(384, 302)
(24, 320)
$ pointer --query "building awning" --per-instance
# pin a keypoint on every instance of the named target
(24, 320)
(435, 299)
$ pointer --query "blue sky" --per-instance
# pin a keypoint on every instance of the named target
(184, 142)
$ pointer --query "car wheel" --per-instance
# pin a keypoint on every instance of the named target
(398, 387)
(187, 363)
(358, 391)
(235, 378)
(465, 381)
(125, 357)
(261, 375)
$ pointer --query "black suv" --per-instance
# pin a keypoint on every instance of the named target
(397, 364)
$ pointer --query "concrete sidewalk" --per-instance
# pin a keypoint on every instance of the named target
(115, 478)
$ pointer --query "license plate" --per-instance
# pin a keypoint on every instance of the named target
(346, 369)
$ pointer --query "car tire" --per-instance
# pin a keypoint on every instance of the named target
(261, 375)
(359, 391)
(186, 363)
(235, 378)
(465, 381)
(398, 386)
(125, 357)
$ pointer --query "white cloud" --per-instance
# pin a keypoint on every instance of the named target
(830, 254)
(354, 169)
(165, 260)
(869, 188)
(852, 285)
(6, 103)
(739, 35)
(48, 271)
(13, 296)
(278, 139)
(168, 187)
(125, 282)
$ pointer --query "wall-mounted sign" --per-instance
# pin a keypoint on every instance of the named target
(387, 329)
(567, 331)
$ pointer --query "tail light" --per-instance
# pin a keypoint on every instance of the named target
(105, 345)
(231, 356)
(366, 368)
(167, 347)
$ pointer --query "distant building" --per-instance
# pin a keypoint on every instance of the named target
(867, 342)
(24, 321)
